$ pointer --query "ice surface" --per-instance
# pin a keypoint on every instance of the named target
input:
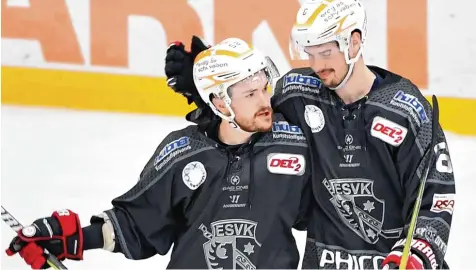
(52, 159)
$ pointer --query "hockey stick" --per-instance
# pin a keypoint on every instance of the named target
(421, 188)
(16, 226)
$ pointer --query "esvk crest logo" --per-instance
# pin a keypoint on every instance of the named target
(359, 208)
(231, 244)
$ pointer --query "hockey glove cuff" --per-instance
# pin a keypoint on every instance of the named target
(421, 256)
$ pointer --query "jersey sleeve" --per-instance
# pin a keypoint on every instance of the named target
(435, 216)
(304, 206)
(146, 218)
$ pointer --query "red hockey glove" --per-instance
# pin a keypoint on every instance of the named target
(61, 234)
(421, 256)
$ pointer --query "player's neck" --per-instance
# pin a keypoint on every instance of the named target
(358, 85)
(229, 135)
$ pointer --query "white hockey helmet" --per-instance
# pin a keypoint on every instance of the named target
(225, 64)
(322, 21)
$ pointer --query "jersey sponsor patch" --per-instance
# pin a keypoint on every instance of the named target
(285, 127)
(413, 103)
(443, 203)
(335, 257)
(388, 131)
(283, 163)
(314, 118)
(299, 79)
(194, 174)
(169, 148)
(284, 130)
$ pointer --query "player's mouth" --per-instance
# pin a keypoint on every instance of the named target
(324, 74)
(265, 113)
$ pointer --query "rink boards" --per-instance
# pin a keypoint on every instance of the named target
(88, 58)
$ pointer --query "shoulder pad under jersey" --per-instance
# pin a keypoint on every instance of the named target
(400, 96)
(284, 132)
(176, 145)
(297, 82)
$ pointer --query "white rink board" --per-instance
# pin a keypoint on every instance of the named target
(79, 160)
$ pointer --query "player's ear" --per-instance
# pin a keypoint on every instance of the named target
(355, 43)
(220, 105)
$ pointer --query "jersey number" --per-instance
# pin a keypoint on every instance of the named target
(443, 161)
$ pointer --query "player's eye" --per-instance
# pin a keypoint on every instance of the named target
(251, 94)
(326, 53)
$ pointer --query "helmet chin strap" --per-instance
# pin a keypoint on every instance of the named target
(235, 125)
(231, 120)
(346, 78)
(350, 64)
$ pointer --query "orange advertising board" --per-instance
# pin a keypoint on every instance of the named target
(51, 24)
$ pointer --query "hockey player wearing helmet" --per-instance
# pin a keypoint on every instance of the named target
(370, 132)
(226, 193)
(232, 70)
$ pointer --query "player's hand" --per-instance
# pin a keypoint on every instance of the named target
(61, 234)
(392, 261)
(421, 256)
(179, 69)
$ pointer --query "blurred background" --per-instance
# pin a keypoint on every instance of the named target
(85, 104)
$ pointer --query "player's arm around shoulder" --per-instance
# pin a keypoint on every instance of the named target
(293, 89)
(143, 220)
(414, 113)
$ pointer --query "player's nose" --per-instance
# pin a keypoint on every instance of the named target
(316, 65)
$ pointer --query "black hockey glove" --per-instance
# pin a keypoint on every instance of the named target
(179, 72)
(179, 69)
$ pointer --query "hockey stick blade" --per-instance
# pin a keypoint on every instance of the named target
(421, 187)
(16, 226)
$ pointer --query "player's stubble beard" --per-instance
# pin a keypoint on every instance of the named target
(333, 80)
(257, 123)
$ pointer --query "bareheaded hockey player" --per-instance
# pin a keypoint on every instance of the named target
(370, 133)
(226, 194)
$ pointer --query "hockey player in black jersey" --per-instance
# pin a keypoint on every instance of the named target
(226, 194)
(369, 131)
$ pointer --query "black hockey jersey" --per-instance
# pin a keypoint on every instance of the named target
(367, 161)
(220, 208)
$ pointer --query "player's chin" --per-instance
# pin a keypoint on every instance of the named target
(331, 83)
(263, 123)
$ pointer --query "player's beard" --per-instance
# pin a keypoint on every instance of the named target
(333, 80)
(257, 123)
